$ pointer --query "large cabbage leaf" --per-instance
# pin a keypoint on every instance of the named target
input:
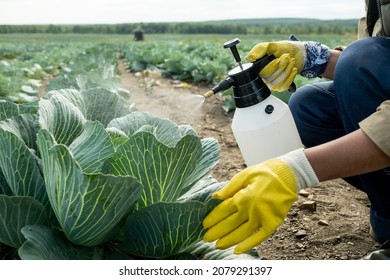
(168, 229)
(61, 115)
(165, 131)
(103, 105)
(169, 134)
(64, 112)
(164, 229)
(17, 129)
(44, 243)
(23, 126)
(92, 147)
(18, 162)
(87, 206)
(160, 169)
(9, 109)
(17, 212)
(166, 159)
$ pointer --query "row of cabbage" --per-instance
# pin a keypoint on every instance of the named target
(197, 60)
(191, 61)
(25, 67)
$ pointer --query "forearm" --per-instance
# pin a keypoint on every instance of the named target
(350, 155)
(331, 65)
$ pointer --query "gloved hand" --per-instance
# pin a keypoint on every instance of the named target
(257, 200)
(292, 57)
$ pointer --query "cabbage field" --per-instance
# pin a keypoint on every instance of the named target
(83, 173)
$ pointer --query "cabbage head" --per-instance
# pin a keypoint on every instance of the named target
(83, 176)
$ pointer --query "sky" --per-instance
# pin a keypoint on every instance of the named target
(134, 11)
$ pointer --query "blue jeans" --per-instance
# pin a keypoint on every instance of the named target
(328, 110)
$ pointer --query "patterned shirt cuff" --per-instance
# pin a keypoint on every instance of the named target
(317, 57)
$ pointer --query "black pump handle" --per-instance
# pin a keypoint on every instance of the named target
(232, 44)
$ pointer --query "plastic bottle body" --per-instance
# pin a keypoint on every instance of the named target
(265, 130)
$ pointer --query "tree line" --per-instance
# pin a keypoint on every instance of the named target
(222, 27)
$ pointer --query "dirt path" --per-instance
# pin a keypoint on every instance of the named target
(336, 229)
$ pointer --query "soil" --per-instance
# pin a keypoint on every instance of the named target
(328, 222)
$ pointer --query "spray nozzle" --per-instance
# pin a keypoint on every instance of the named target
(224, 85)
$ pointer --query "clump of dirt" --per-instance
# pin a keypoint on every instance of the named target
(329, 221)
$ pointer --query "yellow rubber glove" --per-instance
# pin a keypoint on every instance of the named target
(292, 57)
(281, 72)
(257, 200)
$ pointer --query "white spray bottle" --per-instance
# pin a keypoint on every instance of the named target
(262, 124)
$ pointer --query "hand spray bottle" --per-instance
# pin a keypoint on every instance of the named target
(262, 124)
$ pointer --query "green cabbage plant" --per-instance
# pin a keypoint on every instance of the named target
(82, 176)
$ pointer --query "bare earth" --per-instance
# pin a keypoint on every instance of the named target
(337, 229)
